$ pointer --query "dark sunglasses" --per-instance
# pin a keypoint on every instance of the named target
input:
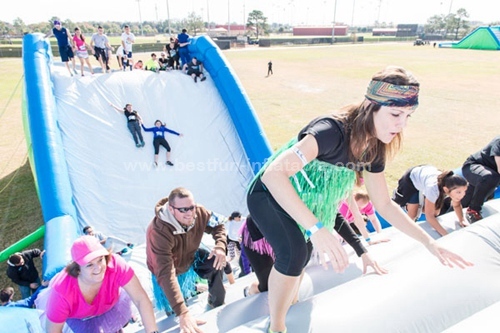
(184, 209)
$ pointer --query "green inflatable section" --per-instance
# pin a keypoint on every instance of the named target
(483, 38)
(22, 244)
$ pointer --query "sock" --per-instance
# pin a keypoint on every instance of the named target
(271, 331)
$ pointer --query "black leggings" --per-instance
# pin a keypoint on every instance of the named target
(291, 250)
(482, 183)
(280, 230)
(262, 264)
(160, 141)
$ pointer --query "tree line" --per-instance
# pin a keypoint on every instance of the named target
(455, 24)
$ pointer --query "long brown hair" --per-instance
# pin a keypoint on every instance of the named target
(358, 118)
(82, 37)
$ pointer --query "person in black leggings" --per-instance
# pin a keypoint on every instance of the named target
(159, 139)
(482, 171)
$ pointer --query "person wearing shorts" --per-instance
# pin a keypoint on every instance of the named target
(100, 43)
(194, 68)
(65, 44)
(128, 38)
(436, 192)
(81, 50)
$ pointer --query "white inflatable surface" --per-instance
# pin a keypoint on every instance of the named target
(115, 184)
(418, 294)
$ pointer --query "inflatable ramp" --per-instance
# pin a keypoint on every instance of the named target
(482, 38)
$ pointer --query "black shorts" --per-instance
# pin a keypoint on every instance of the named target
(66, 53)
(102, 53)
(405, 192)
(197, 73)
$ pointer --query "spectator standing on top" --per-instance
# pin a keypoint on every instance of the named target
(65, 44)
(128, 38)
(184, 40)
(100, 43)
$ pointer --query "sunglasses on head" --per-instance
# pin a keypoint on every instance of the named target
(184, 209)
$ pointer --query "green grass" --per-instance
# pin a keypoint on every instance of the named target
(20, 212)
(458, 111)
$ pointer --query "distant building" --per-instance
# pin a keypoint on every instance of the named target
(407, 30)
(340, 30)
(229, 29)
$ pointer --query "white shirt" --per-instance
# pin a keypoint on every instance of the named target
(233, 227)
(424, 179)
(128, 39)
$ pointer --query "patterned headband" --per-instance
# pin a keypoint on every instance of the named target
(388, 94)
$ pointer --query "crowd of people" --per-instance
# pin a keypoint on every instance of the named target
(174, 55)
(294, 211)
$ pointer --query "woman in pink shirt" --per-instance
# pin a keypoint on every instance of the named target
(81, 49)
(94, 292)
(361, 201)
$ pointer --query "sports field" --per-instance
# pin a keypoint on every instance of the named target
(457, 113)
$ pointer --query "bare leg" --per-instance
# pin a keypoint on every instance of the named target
(412, 210)
(281, 294)
(103, 65)
(81, 65)
(296, 292)
(168, 156)
(69, 69)
(156, 159)
(90, 66)
(254, 288)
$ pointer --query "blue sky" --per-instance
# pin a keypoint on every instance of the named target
(295, 12)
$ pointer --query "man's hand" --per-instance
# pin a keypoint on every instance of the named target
(220, 258)
(34, 285)
(188, 324)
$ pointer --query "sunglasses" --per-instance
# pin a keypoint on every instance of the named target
(184, 209)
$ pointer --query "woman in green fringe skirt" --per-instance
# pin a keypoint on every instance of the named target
(294, 198)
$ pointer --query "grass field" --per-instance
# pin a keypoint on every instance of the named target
(457, 113)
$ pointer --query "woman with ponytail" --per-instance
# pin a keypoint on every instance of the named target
(426, 188)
